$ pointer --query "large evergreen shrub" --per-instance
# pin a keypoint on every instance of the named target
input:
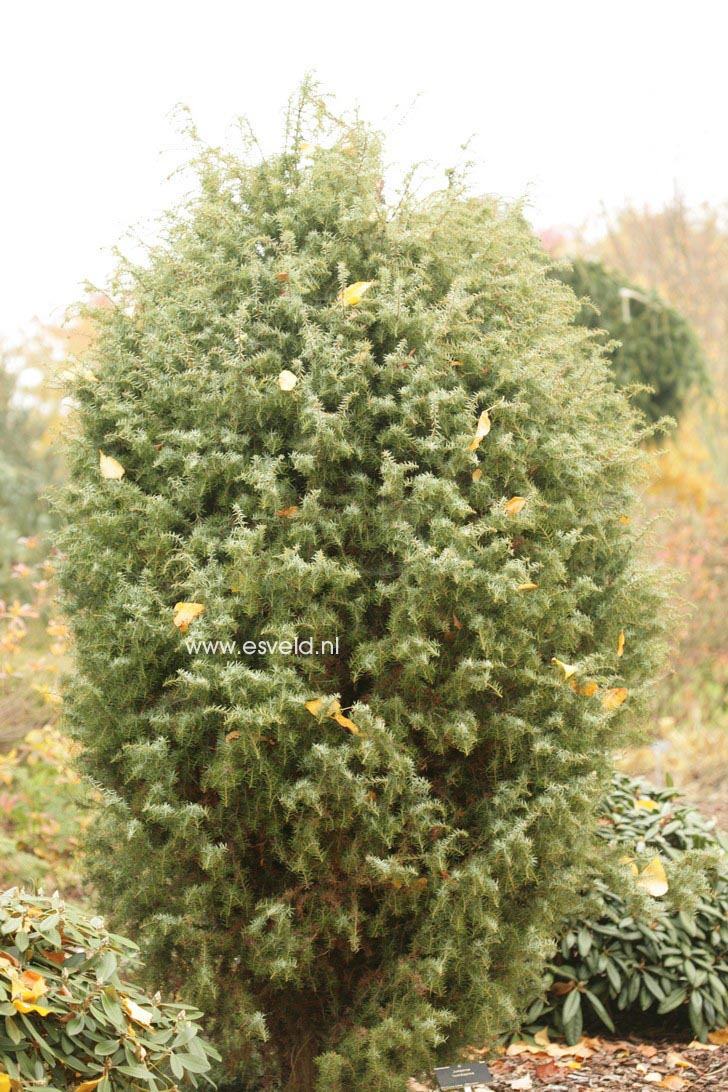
(342, 419)
(649, 344)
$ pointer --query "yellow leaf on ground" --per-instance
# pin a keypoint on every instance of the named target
(521, 1048)
(612, 699)
(346, 723)
(567, 669)
(352, 294)
(110, 467)
(286, 513)
(136, 1013)
(654, 879)
(673, 1058)
(481, 430)
(697, 1045)
(620, 643)
(527, 587)
(477, 475)
(315, 706)
(515, 505)
(674, 1082)
(287, 380)
(719, 1037)
(184, 613)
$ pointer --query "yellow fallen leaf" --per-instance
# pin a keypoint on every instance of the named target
(287, 380)
(477, 475)
(612, 699)
(333, 710)
(8, 964)
(632, 866)
(649, 805)
(521, 1048)
(346, 723)
(529, 586)
(110, 467)
(232, 736)
(674, 1082)
(286, 513)
(719, 1037)
(22, 1006)
(136, 1013)
(456, 363)
(352, 294)
(567, 669)
(29, 986)
(481, 430)
(587, 689)
(673, 1058)
(697, 1045)
(184, 613)
(653, 879)
(515, 505)
(620, 643)
(5, 1083)
(88, 1086)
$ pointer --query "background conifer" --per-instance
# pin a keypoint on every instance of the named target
(652, 345)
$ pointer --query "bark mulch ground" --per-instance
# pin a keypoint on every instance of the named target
(607, 1065)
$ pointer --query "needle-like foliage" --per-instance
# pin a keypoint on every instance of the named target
(325, 416)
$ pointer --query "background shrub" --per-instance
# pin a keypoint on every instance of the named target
(331, 417)
(657, 346)
(70, 1021)
(669, 956)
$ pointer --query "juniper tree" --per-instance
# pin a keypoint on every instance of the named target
(316, 414)
(652, 345)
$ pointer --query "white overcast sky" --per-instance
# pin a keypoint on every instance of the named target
(576, 104)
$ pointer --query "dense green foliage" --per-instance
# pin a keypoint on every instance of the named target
(668, 955)
(68, 1016)
(349, 901)
(652, 344)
